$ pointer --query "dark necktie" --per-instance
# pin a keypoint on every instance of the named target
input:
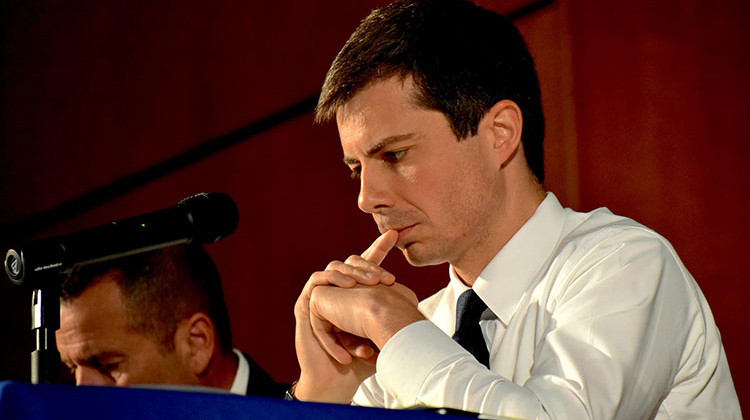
(468, 333)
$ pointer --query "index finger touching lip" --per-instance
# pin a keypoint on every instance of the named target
(377, 252)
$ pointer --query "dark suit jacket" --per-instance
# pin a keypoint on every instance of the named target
(261, 383)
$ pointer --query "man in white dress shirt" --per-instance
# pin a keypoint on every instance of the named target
(587, 315)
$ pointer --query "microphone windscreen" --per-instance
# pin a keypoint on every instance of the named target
(212, 215)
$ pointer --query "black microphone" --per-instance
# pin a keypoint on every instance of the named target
(203, 218)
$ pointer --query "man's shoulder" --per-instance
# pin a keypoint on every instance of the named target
(602, 231)
(599, 244)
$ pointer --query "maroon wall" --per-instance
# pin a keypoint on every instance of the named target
(645, 109)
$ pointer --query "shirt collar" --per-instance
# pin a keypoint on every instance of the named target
(239, 386)
(509, 274)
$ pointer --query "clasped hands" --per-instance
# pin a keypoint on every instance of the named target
(344, 316)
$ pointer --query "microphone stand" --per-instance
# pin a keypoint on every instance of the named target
(45, 313)
(45, 320)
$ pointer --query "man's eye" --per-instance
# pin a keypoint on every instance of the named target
(356, 172)
(105, 368)
(108, 368)
(393, 157)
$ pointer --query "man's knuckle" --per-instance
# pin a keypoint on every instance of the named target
(353, 259)
(333, 264)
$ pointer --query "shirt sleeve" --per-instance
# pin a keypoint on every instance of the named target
(445, 375)
(610, 339)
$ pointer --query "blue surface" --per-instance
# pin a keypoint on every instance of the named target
(19, 401)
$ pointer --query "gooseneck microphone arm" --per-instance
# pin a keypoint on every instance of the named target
(204, 218)
(42, 265)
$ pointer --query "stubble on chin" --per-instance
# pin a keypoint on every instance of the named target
(418, 254)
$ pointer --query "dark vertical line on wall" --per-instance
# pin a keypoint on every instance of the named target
(25, 228)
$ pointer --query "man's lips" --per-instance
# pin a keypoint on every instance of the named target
(403, 225)
(403, 234)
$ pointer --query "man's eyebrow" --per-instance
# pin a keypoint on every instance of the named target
(377, 147)
(95, 358)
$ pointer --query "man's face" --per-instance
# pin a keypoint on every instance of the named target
(99, 347)
(415, 176)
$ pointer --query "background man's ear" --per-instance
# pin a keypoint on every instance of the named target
(195, 342)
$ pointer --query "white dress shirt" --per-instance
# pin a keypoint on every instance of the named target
(241, 378)
(591, 316)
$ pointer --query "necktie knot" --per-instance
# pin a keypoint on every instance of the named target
(469, 308)
(468, 333)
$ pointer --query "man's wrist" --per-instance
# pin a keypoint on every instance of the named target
(300, 391)
(388, 330)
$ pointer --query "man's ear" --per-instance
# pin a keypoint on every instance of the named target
(195, 341)
(505, 123)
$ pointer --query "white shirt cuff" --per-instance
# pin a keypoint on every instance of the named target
(410, 356)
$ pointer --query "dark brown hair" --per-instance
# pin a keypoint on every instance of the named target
(463, 59)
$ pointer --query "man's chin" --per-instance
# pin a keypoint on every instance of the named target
(418, 256)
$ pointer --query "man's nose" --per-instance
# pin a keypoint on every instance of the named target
(374, 190)
(90, 376)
